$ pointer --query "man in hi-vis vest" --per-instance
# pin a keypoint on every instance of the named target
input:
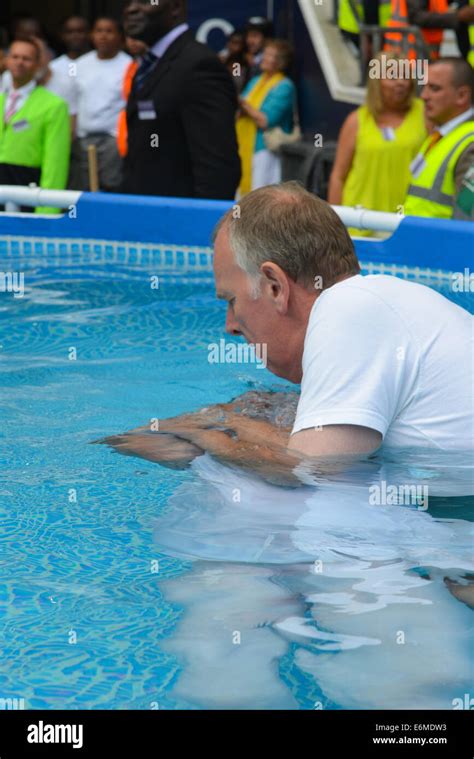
(447, 155)
(432, 17)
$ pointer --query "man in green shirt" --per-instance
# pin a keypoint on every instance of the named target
(34, 126)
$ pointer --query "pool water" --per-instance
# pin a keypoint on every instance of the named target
(125, 585)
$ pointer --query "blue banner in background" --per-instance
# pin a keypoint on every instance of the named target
(213, 20)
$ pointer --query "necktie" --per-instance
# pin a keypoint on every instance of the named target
(148, 63)
(11, 105)
(435, 137)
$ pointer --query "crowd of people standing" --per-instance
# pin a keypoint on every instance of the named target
(140, 107)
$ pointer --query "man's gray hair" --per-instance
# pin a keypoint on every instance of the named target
(294, 229)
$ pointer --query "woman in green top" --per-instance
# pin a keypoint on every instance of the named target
(377, 143)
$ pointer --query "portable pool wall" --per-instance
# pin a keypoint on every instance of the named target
(175, 234)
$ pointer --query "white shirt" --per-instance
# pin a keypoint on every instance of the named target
(160, 47)
(392, 355)
(21, 94)
(99, 85)
(63, 64)
(65, 87)
(453, 123)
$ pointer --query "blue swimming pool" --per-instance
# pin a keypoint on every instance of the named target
(125, 585)
(96, 611)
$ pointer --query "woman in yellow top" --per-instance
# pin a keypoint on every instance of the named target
(376, 145)
(267, 101)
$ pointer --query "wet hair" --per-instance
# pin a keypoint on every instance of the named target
(294, 229)
(462, 73)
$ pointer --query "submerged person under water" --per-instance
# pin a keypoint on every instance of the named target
(218, 430)
(374, 356)
(263, 587)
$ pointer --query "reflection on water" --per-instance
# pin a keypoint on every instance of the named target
(295, 598)
(356, 586)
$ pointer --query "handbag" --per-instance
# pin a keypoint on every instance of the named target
(274, 138)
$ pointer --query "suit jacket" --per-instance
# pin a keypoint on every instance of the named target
(186, 145)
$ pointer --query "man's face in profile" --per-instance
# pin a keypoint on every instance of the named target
(254, 318)
(439, 94)
(149, 20)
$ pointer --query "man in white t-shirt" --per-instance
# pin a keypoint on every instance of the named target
(75, 36)
(99, 79)
(379, 359)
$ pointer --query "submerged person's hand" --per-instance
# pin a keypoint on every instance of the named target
(161, 448)
(206, 418)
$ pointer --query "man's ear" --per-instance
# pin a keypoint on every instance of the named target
(277, 281)
(464, 93)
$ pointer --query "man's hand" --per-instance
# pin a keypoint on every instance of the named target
(222, 418)
(160, 448)
(252, 444)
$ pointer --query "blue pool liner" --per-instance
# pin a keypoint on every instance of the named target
(434, 243)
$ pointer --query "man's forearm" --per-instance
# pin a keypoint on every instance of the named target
(419, 15)
(271, 462)
(259, 431)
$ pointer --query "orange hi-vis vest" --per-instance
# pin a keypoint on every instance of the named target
(122, 129)
(399, 18)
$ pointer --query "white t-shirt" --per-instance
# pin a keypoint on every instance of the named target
(65, 87)
(392, 355)
(99, 83)
(63, 64)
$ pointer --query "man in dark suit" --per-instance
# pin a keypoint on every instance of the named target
(181, 110)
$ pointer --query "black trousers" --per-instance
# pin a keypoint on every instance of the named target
(10, 173)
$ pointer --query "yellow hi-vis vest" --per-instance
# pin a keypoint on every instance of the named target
(470, 56)
(431, 193)
(349, 22)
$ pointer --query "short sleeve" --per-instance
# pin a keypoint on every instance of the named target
(360, 364)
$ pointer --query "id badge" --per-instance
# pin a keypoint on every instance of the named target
(388, 133)
(146, 110)
(20, 126)
(417, 165)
